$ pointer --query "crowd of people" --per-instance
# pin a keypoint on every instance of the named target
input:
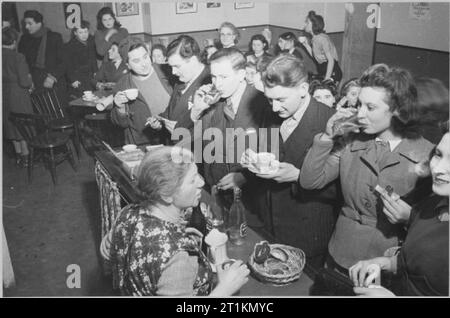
(323, 196)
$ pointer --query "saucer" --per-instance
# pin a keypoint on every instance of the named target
(90, 99)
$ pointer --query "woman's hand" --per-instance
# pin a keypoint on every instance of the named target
(286, 172)
(396, 210)
(231, 279)
(231, 180)
(373, 291)
(338, 116)
(195, 234)
(364, 273)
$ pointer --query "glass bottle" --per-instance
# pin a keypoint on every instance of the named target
(217, 219)
(237, 227)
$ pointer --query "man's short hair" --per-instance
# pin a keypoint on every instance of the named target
(236, 57)
(185, 46)
(33, 14)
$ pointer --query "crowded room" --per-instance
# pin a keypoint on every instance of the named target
(225, 149)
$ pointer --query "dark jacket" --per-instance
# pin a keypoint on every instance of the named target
(310, 63)
(108, 73)
(423, 259)
(178, 109)
(16, 82)
(81, 64)
(295, 216)
(137, 112)
(54, 61)
(252, 108)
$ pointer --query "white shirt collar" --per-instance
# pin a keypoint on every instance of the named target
(188, 84)
(392, 143)
(298, 115)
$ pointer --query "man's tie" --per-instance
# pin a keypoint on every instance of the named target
(228, 109)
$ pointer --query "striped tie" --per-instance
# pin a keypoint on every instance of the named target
(228, 109)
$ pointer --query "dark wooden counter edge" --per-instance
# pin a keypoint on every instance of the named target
(112, 164)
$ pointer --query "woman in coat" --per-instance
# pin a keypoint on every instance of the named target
(80, 60)
(16, 85)
(387, 152)
(421, 266)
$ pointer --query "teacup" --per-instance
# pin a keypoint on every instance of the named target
(88, 94)
(129, 148)
(131, 93)
(217, 246)
(263, 161)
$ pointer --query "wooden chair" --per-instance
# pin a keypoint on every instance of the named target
(53, 146)
(46, 102)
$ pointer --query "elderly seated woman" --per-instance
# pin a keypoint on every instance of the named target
(152, 250)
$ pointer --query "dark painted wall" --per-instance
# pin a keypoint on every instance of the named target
(420, 62)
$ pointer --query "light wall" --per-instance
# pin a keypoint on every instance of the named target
(293, 15)
(164, 19)
(398, 28)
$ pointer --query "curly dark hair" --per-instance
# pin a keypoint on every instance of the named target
(258, 37)
(401, 96)
(101, 13)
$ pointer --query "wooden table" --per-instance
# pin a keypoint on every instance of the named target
(254, 287)
(79, 108)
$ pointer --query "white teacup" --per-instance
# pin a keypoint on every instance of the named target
(217, 246)
(131, 93)
(129, 148)
(263, 161)
(88, 94)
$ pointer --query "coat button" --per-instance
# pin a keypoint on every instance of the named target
(367, 204)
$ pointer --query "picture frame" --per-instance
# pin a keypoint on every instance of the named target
(243, 5)
(124, 9)
(185, 7)
(213, 5)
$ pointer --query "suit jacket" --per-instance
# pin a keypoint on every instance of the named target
(251, 111)
(359, 171)
(178, 109)
(295, 216)
(137, 112)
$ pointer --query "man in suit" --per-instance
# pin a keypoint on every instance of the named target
(184, 58)
(130, 111)
(43, 50)
(294, 216)
(241, 107)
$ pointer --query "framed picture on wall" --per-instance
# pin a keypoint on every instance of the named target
(210, 5)
(185, 7)
(244, 5)
(127, 8)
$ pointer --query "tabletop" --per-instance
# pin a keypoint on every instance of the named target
(80, 102)
(300, 287)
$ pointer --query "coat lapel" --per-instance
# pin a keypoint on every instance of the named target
(300, 139)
